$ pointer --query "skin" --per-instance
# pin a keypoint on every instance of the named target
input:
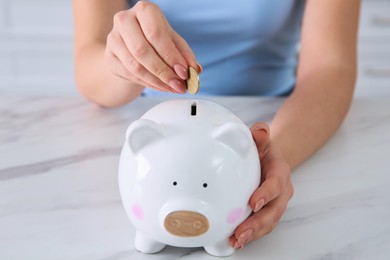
(119, 51)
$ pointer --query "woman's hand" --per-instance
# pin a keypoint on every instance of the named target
(143, 48)
(269, 201)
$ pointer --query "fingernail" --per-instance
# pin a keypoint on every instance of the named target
(200, 68)
(174, 91)
(262, 128)
(237, 246)
(259, 205)
(177, 85)
(244, 237)
(181, 71)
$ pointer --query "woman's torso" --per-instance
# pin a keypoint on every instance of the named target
(245, 47)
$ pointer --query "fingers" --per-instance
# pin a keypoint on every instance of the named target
(144, 56)
(270, 200)
(147, 46)
(122, 72)
(275, 171)
(275, 180)
(123, 64)
(150, 49)
(158, 33)
(262, 222)
(119, 70)
(154, 46)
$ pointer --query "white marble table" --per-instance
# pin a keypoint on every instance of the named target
(59, 195)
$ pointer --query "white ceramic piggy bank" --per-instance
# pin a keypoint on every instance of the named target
(186, 173)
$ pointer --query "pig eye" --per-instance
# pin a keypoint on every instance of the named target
(204, 185)
(174, 183)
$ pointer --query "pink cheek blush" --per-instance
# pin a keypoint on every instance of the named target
(234, 215)
(137, 211)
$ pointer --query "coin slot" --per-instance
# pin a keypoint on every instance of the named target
(193, 109)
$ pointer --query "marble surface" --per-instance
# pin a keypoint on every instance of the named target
(59, 195)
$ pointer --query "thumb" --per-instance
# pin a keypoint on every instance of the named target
(260, 132)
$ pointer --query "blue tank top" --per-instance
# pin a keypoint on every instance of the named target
(245, 47)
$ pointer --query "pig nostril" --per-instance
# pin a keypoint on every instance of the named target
(197, 225)
(176, 223)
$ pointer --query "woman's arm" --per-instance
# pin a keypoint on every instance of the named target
(310, 116)
(325, 80)
(93, 20)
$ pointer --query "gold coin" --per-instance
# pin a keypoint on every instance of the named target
(192, 81)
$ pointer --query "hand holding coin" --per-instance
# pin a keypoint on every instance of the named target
(145, 50)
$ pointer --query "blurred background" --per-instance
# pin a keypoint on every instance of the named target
(36, 55)
(36, 42)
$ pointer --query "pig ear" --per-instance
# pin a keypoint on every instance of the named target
(141, 133)
(236, 137)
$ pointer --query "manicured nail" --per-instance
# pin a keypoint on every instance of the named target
(262, 128)
(174, 91)
(237, 246)
(200, 68)
(243, 238)
(259, 205)
(181, 71)
(177, 85)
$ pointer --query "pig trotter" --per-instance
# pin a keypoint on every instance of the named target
(220, 249)
(147, 245)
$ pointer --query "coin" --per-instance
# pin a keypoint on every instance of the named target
(192, 81)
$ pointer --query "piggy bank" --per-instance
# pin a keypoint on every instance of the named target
(186, 173)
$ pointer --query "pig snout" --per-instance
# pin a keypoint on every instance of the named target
(186, 223)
